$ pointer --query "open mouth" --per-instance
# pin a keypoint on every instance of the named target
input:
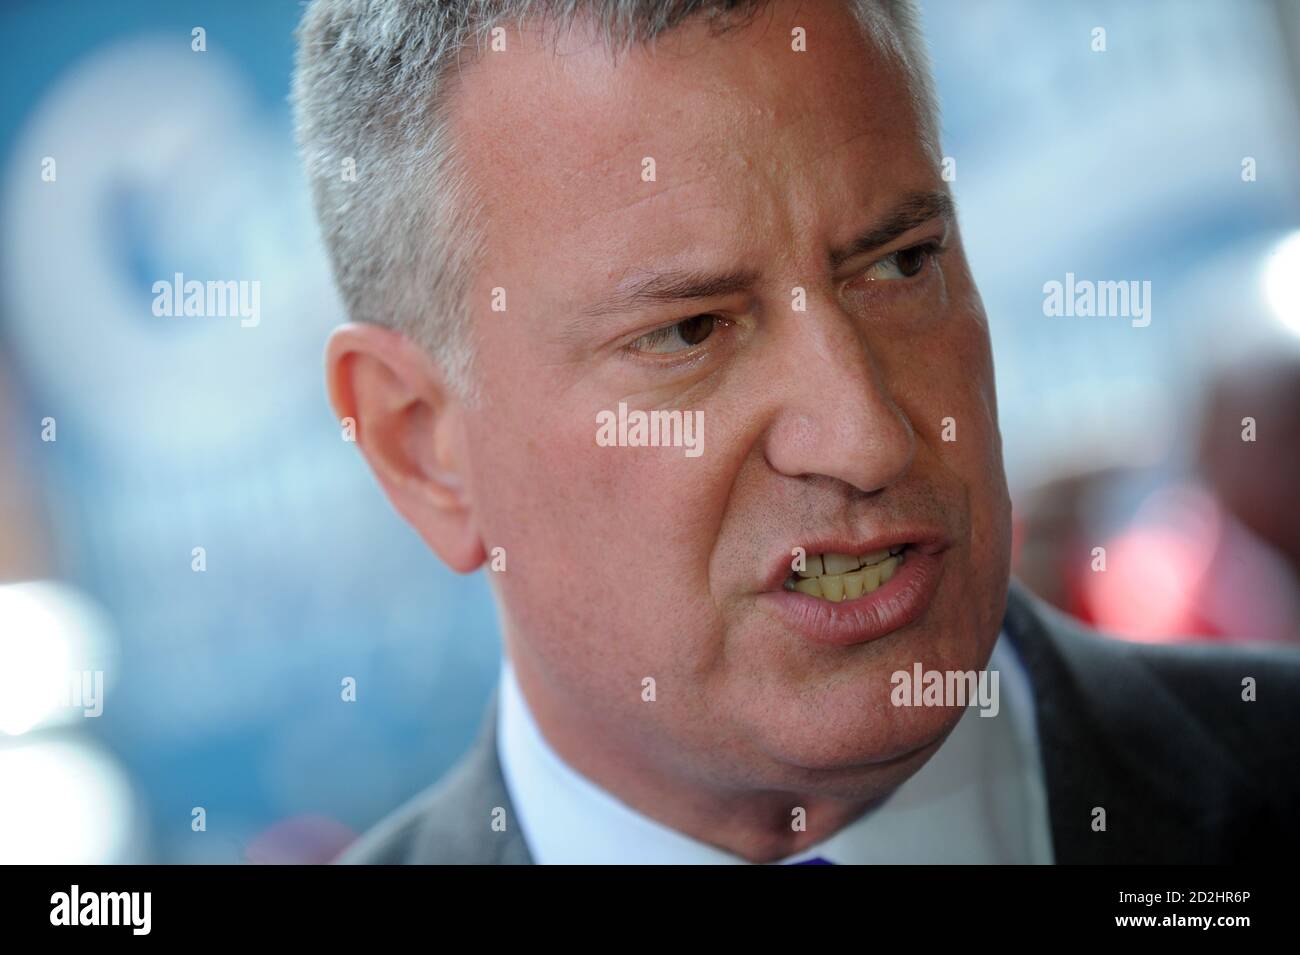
(854, 591)
(838, 577)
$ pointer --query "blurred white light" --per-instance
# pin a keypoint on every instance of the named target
(63, 803)
(34, 654)
(1282, 282)
(48, 632)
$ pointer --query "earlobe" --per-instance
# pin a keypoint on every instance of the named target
(408, 425)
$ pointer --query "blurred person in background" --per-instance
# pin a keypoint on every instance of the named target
(1214, 554)
(1259, 491)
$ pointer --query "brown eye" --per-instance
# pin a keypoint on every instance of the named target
(910, 261)
(695, 330)
(902, 264)
(682, 336)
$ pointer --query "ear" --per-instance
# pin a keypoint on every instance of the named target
(410, 427)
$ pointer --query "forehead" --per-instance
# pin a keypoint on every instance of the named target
(556, 138)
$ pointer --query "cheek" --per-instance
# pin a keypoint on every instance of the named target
(958, 390)
(606, 546)
(543, 490)
(979, 456)
(959, 379)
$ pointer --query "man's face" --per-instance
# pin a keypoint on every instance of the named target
(823, 428)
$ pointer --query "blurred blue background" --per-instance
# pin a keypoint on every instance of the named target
(222, 688)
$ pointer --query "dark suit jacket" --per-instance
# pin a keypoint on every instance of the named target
(1158, 736)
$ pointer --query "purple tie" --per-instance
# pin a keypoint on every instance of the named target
(815, 860)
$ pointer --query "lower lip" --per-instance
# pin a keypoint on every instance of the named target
(892, 606)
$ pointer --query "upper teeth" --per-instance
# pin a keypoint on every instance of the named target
(837, 577)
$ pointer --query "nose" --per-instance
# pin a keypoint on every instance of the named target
(837, 418)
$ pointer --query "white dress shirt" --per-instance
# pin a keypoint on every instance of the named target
(979, 799)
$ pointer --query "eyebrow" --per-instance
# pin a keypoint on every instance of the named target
(651, 288)
(664, 288)
(916, 209)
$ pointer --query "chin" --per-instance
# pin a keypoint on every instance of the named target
(858, 766)
(852, 731)
(845, 722)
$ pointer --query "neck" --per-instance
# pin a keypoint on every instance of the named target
(756, 824)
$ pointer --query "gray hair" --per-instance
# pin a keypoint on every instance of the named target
(371, 90)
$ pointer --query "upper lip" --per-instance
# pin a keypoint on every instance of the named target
(926, 538)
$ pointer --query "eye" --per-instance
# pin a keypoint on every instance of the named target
(683, 336)
(902, 264)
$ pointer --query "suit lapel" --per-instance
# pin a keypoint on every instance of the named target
(1113, 737)
(459, 827)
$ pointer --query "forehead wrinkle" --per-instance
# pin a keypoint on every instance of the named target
(640, 200)
(772, 122)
